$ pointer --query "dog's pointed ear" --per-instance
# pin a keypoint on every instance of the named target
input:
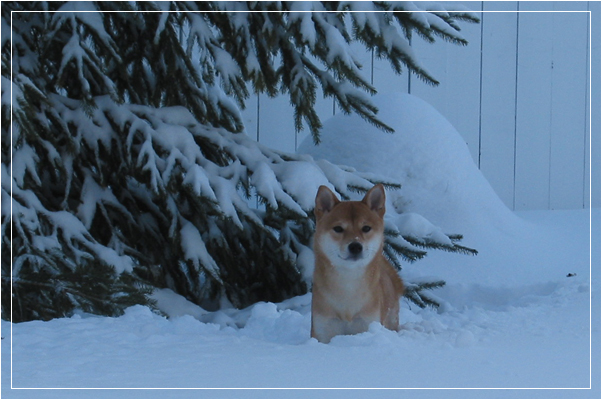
(375, 199)
(325, 201)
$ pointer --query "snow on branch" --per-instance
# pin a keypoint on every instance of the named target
(46, 231)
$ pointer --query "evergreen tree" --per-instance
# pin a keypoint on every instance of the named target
(124, 162)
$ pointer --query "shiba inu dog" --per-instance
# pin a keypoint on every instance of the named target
(353, 283)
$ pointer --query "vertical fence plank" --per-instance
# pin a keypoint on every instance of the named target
(533, 111)
(249, 114)
(324, 108)
(386, 80)
(594, 86)
(569, 75)
(277, 122)
(498, 96)
(458, 70)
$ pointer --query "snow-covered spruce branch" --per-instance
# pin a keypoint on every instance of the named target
(86, 301)
(415, 293)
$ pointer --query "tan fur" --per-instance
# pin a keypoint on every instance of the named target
(352, 287)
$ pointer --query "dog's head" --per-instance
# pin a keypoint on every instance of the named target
(350, 233)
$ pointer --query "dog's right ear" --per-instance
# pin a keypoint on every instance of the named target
(325, 201)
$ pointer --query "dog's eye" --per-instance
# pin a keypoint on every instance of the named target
(338, 229)
(366, 229)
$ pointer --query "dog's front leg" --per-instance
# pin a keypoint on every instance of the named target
(325, 328)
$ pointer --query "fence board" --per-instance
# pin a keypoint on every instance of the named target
(595, 146)
(458, 70)
(498, 98)
(533, 112)
(568, 102)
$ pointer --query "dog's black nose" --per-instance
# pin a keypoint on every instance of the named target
(355, 248)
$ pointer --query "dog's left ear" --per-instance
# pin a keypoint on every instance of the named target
(375, 199)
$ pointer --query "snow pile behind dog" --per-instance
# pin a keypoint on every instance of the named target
(425, 154)
(511, 318)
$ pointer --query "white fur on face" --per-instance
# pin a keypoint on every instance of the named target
(340, 257)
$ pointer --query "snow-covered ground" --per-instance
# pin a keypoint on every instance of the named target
(522, 314)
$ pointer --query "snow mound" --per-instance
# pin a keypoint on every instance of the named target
(440, 181)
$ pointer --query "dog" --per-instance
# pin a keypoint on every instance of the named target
(353, 283)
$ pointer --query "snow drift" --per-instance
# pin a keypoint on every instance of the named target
(426, 154)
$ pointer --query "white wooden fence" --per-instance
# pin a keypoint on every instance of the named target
(519, 94)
